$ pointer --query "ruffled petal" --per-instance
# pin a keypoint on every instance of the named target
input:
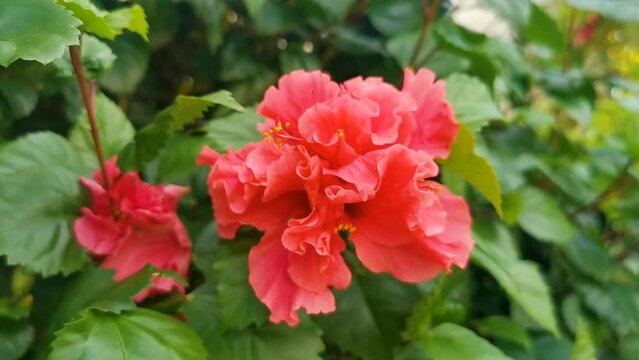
(436, 125)
(268, 275)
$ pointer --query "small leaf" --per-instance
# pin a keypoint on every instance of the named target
(502, 327)
(474, 107)
(452, 342)
(15, 308)
(151, 139)
(543, 29)
(107, 24)
(584, 348)
(36, 30)
(473, 168)
(254, 6)
(620, 10)
(235, 130)
(15, 339)
(39, 199)
(521, 280)
(115, 131)
(20, 95)
(515, 11)
(130, 66)
(542, 217)
(135, 334)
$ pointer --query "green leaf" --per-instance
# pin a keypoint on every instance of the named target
(135, 334)
(473, 168)
(115, 129)
(129, 68)
(164, 18)
(270, 343)
(151, 139)
(107, 24)
(15, 339)
(177, 159)
(15, 308)
(543, 29)
(502, 327)
(237, 303)
(620, 10)
(515, 11)
(616, 304)
(474, 107)
(235, 130)
(213, 13)
(453, 342)
(39, 200)
(254, 6)
(391, 17)
(521, 280)
(542, 217)
(95, 287)
(36, 30)
(584, 348)
(369, 317)
(20, 95)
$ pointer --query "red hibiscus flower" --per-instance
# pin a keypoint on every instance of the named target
(135, 224)
(351, 159)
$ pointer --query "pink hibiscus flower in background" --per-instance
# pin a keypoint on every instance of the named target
(353, 159)
(133, 225)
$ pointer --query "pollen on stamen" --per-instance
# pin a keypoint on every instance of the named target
(340, 132)
(345, 227)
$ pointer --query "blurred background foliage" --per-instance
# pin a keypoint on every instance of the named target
(550, 89)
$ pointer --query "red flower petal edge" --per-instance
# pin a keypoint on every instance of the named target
(351, 160)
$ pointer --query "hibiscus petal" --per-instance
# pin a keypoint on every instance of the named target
(100, 235)
(294, 94)
(436, 125)
(268, 275)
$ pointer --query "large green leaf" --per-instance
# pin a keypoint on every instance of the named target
(473, 104)
(15, 339)
(151, 139)
(369, 317)
(95, 287)
(39, 199)
(515, 11)
(134, 334)
(542, 217)
(616, 304)
(453, 342)
(107, 24)
(521, 280)
(270, 343)
(115, 131)
(621, 10)
(177, 159)
(473, 168)
(236, 300)
(36, 30)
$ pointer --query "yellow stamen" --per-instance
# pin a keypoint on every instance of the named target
(340, 132)
(345, 227)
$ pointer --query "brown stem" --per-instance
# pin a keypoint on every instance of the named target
(429, 15)
(88, 95)
(616, 184)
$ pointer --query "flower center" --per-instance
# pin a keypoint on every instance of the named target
(275, 134)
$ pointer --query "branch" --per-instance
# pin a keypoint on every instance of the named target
(615, 185)
(430, 11)
(88, 95)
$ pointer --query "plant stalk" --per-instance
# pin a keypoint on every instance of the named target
(87, 87)
(429, 15)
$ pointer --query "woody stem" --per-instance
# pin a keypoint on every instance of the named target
(88, 96)
(430, 11)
